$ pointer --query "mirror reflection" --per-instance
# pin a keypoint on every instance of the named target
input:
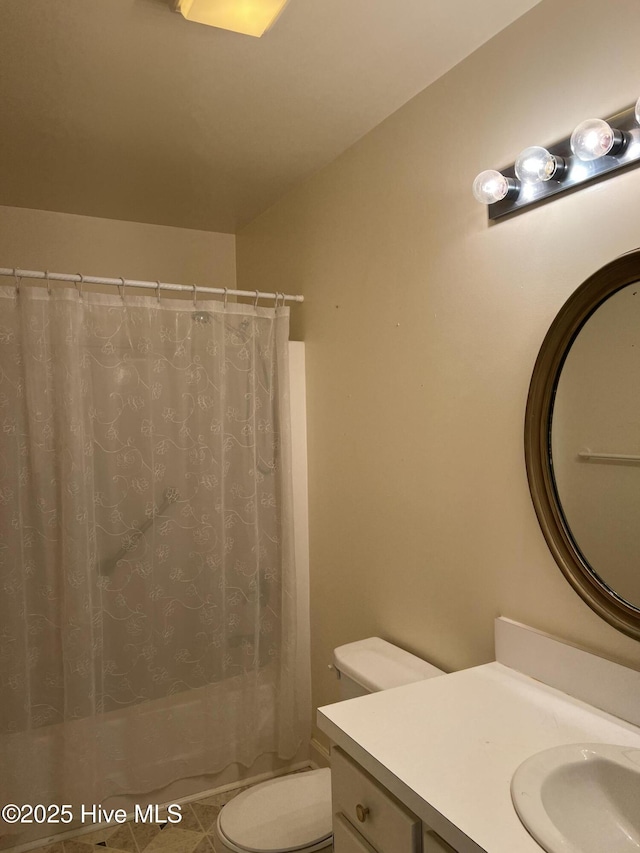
(595, 442)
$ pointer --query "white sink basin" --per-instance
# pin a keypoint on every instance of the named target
(581, 798)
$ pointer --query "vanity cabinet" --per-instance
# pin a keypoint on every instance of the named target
(442, 753)
(369, 819)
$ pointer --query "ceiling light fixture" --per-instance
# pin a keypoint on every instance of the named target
(250, 17)
(595, 149)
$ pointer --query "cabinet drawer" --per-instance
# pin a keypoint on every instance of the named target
(346, 839)
(388, 825)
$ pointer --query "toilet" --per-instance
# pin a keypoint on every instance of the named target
(292, 814)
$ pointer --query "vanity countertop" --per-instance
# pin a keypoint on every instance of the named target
(448, 747)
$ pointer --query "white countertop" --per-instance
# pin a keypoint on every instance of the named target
(448, 747)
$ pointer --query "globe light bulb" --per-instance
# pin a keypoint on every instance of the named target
(490, 186)
(593, 138)
(536, 164)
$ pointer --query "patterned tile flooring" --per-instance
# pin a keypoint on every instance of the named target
(194, 833)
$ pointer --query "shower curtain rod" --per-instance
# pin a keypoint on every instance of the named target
(150, 285)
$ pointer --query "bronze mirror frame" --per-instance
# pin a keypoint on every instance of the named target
(572, 316)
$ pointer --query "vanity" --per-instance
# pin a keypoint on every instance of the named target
(428, 767)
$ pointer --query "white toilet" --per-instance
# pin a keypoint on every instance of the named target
(292, 814)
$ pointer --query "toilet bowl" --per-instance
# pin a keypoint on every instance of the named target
(292, 814)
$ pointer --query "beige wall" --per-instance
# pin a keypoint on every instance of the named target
(62, 242)
(422, 325)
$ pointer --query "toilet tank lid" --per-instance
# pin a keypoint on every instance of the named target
(377, 665)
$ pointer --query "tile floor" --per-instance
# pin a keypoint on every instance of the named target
(194, 834)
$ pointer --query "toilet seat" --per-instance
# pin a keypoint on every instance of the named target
(290, 814)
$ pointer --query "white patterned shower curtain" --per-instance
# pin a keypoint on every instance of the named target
(147, 607)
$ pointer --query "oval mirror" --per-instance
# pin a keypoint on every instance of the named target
(582, 441)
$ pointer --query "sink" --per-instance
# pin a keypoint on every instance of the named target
(581, 798)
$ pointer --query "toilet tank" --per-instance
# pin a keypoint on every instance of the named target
(368, 666)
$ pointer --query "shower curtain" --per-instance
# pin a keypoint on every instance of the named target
(147, 609)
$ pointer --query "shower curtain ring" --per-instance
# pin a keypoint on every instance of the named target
(46, 275)
(226, 294)
(121, 287)
(18, 281)
(195, 292)
(158, 291)
(255, 304)
(81, 283)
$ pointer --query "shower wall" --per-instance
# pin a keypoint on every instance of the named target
(62, 242)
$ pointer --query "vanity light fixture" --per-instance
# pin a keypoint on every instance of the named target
(595, 149)
(536, 164)
(491, 186)
(250, 17)
(594, 138)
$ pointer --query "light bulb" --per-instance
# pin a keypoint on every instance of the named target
(594, 138)
(638, 110)
(536, 164)
(490, 186)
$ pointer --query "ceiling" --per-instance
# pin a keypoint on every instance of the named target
(122, 109)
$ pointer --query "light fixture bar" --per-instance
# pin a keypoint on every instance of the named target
(576, 172)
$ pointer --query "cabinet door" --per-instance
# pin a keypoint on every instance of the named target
(346, 839)
(383, 820)
(432, 843)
